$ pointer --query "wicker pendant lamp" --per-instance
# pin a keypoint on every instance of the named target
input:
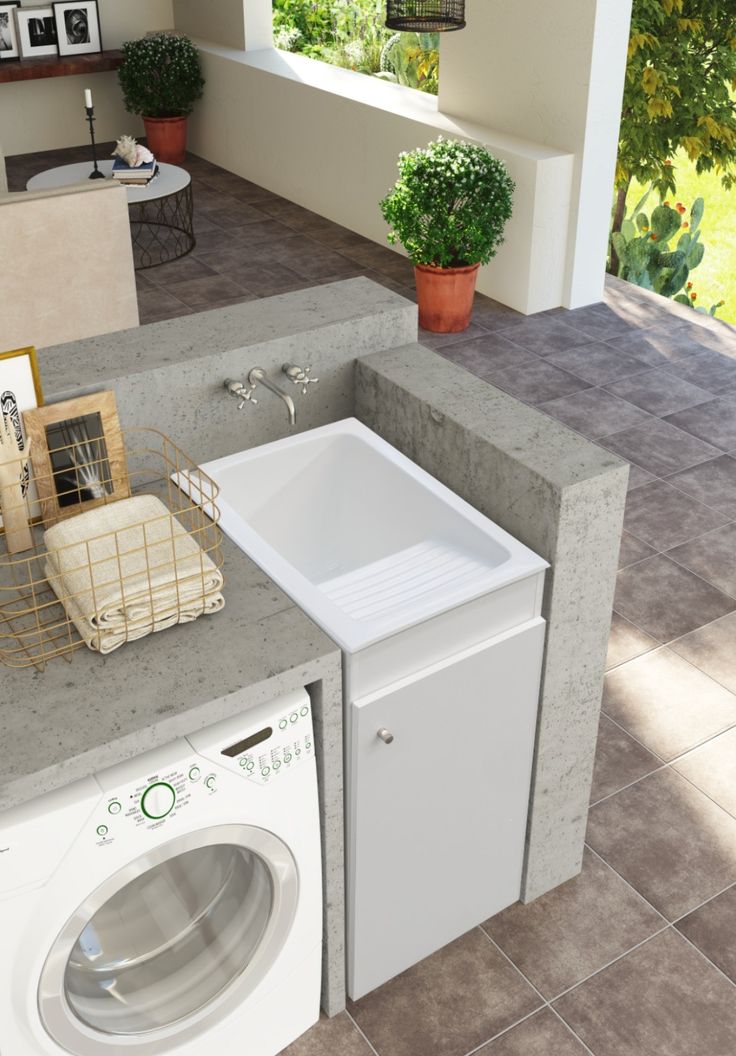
(425, 16)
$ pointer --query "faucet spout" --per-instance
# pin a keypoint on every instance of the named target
(258, 375)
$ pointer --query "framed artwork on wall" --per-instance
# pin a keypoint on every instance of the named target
(20, 391)
(77, 27)
(9, 48)
(78, 455)
(36, 31)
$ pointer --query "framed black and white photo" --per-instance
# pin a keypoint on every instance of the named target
(36, 31)
(20, 391)
(9, 48)
(77, 27)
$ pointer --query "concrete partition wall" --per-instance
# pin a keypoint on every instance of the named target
(564, 497)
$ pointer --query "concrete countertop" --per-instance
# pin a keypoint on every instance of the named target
(73, 720)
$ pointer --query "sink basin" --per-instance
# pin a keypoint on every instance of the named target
(360, 537)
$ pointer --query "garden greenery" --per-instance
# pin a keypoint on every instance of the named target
(160, 76)
(450, 205)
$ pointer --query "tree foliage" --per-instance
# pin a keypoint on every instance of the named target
(680, 91)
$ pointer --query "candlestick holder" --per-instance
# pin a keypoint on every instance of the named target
(95, 174)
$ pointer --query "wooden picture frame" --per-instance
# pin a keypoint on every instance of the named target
(78, 455)
(77, 27)
(9, 42)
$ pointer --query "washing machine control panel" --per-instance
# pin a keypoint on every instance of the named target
(265, 754)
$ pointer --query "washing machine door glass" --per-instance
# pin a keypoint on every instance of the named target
(170, 940)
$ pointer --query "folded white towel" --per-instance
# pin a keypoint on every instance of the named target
(129, 569)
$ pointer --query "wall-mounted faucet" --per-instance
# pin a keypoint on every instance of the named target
(257, 376)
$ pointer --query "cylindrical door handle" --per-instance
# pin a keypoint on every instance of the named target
(385, 735)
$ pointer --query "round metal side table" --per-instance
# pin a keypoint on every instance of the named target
(161, 213)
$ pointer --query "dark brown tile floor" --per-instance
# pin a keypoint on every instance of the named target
(637, 955)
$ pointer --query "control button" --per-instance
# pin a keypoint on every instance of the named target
(297, 751)
(102, 830)
(210, 782)
(293, 717)
(158, 800)
(195, 773)
(287, 757)
(265, 771)
(250, 765)
(304, 711)
(115, 807)
(283, 724)
(277, 764)
(243, 761)
(307, 745)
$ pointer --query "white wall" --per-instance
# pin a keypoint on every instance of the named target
(49, 114)
(552, 71)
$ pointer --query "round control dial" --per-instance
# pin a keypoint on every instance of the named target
(158, 800)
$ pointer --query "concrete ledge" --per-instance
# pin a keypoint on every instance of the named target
(564, 497)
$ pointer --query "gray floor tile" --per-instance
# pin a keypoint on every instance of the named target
(179, 270)
(711, 649)
(544, 335)
(594, 412)
(633, 550)
(711, 557)
(659, 447)
(661, 1000)
(207, 290)
(486, 355)
(601, 322)
(658, 392)
(666, 704)
(638, 476)
(666, 600)
(712, 928)
(626, 641)
(655, 347)
(707, 369)
(329, 1037)
(569, 933)
(596, 363)
(494, 316)
(663, 516)
(712, 767)
(433, 340)
(543, 1034)
(155, 304)
(448, 1004)
(538, 383)
(668, 840)
(713, 483)
(714, 422)
(619, 761)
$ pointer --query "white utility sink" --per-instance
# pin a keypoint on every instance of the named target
(360, 537)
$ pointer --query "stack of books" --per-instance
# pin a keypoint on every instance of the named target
(138, 176)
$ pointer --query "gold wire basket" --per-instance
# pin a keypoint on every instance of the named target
(138, 577)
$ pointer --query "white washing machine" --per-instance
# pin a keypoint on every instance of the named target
(171, 904)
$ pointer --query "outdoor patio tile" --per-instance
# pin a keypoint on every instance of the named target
(432, 340)
(656, 347)
(712, 928)
(663, 516)
(660, 1000)
(712, 767)
(659, 447)
(713, 483)
(666, 704)
(543, 1034)
(711, 557)
(314, 261)
(714, 422)
(619, 761)
(262, 231)
(596, 363)
(626, 641)
(538, 383)
(264, 280)
(670, 842)
(198, 293)
(658, 392)
(155, 304)
(600, 321)
(667, 601)
(712, 650)
(638, 476)
(545, 335)
(214, 241)
(448, 1004)
(707, 369)
(330, 1037)
(492, 315)
(188, 267)
(633, 550)
(563, 937)
(486, 355)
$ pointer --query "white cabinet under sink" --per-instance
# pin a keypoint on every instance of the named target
(437, 816)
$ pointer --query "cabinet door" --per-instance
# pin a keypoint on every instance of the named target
(437, 818)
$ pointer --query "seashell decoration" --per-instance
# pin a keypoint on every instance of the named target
(131, 152)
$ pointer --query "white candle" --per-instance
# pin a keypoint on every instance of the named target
(88, 98)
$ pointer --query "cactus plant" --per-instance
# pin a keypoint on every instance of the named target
(646, 257)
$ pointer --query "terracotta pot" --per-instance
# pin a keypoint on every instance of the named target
(445, 297)
(167, 138)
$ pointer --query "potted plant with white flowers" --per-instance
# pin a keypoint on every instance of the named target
(161, 80)
(448, 209)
